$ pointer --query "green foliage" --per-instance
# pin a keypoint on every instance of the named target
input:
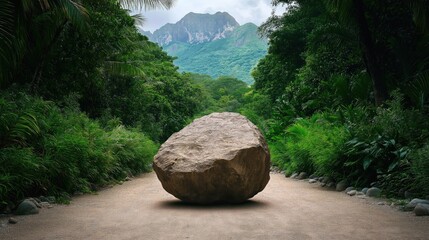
(225, 94)
(56, 151)
(311, 145)
(420, 169)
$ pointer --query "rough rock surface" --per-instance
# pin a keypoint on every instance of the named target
(341, 186)
(221, 157)
(27, 207)
(421, 209)
(413, 203)
(373, 192)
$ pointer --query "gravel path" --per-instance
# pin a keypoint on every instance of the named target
(286, 209)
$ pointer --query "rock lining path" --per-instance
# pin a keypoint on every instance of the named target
(286, 209)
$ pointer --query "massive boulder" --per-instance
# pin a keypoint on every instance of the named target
(221, 157)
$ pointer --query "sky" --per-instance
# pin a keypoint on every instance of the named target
(244, 11)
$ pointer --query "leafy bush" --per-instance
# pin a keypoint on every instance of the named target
(366, 160)
(420, 169)
(46, 150)
(312, 144)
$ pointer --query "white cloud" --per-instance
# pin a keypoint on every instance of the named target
(244, 11)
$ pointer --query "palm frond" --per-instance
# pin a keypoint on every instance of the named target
(343, 8)
(139, 19)
(122, 69)
(146, 4)
(418, 90)
(25, 128)
(420, 10)
(7, 37)
(73, 10)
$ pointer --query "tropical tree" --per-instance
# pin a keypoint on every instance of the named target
(29, 29)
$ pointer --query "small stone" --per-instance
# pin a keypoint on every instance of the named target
(50, 199)
(349, 189)
(413, 203)
(362, 197)
(330, 185)
(294, 175)
(13, 221)
(360, 193)
(381, 203)
(35, 202)
(313, 176)
(127, 179)
(27, 207)
(302, 175)
(351, 193)
(341, 186)
(421, 209)
(326, 180)
(312, 181)
(323, 184)
(373, 192)
(45, 204)
(364, 190)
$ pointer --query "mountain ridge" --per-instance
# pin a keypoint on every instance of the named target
(212, 44)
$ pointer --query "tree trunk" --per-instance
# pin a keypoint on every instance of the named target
(369, 54)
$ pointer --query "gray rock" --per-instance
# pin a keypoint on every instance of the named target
(313, 176)
(413, 203)
(330, 185)
(326, 180)
(351, 192)
(373, 192)
(12, 221)
(312, 181)
(364, 190)
(221, 157)
(27, 207)
(302, 175)
(349, 189)
(46, 204)
(294, 175)
(342, 185)
(381, 203)
(35, 202)
(421, 209)
(360, 193)
(49, 199)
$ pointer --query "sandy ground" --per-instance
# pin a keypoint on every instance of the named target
(286, 209)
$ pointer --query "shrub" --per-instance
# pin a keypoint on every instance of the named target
(420, 169)
(48, 150)
(311, 145)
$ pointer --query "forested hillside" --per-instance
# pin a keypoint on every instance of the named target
(212, 44)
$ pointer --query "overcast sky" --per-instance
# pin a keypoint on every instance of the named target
(244, 11)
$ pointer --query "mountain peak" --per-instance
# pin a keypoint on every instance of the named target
(196, 28)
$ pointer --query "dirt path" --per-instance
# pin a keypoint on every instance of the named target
(286, 209)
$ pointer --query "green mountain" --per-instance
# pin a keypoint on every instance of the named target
(215, 45)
